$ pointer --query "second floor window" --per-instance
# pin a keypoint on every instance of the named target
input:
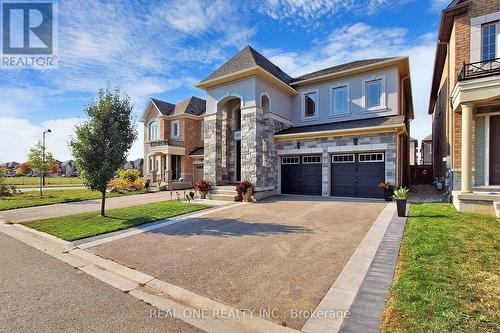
(153, 131)
(489, 45)
(175, 129)
(310, 105)
(373, 93)
(340, 100)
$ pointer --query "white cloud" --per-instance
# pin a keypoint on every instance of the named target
(361, 41)
(18, 135)
(303, 12)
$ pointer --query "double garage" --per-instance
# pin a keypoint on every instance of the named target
(351, 174)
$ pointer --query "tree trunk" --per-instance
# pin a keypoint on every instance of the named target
(103, 202)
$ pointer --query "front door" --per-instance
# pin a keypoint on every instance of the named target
(495, 150)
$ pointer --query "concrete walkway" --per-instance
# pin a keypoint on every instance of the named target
(70, 208)
(366, 311)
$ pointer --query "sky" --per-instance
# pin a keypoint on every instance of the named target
(162, 49)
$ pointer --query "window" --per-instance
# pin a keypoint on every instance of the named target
(489, 35)
(290, 160)
(345, 158)
(310, 105)
(373, 93)
(372, 157)
(340, 100)
(175, 129)
(316, 159)
(153, 133)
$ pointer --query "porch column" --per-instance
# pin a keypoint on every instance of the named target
(168, 161)
(154, 169)
(467, 110)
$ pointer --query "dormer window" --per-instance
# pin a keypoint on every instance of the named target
(175, 129)
(310, 105)
(153, 131)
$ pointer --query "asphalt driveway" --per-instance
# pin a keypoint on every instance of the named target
(278, 255)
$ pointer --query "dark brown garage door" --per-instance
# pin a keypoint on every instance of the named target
(358, 175)
(301, 175)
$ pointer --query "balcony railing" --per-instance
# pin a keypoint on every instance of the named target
(162, 143)
(479, 69)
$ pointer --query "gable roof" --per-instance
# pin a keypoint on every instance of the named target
(192, 105)
(165, 108)
(246, 59)
(340, 68)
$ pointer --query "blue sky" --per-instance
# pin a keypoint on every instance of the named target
(162, 48)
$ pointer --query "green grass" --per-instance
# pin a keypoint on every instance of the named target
(448, 276)
(49, 181)
(50, 197)
(80, 226)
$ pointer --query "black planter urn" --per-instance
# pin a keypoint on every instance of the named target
(401, 205)
(388, 193)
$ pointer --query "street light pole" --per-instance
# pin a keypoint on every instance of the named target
(42, 172)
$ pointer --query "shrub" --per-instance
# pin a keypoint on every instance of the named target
(122, 185)
(385, 186)
(401, 193)
(129, 174)
(243, 187)
(203, 185)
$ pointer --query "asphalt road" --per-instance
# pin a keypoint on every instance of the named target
(39, 293)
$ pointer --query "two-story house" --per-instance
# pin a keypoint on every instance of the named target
(339, 131)
(173, 142)
(465, 104)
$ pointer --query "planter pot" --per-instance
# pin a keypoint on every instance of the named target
(203, 195)
(388, 193)
(248, 195)
(401, 204)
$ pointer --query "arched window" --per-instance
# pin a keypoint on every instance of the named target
(154, 131)
(265, 102)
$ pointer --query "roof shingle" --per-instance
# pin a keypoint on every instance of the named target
(345, 125)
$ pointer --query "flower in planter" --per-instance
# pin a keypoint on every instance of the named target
(203, 185)
(401, 193)
(385, 186)
(243, 187)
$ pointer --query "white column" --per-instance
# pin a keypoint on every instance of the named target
(467, 110)
(168, 160)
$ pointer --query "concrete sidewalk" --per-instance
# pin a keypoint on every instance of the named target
(70, 208)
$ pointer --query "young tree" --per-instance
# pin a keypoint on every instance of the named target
(102, 142)
(24, 169)
(40, 160)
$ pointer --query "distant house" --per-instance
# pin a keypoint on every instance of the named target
(67, 169)
(11, 167)
(426, 150)
(137, 164)
(413, 151)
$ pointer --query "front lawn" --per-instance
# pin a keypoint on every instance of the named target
(50, 197)
(79, 226)
(448, 276)
(49, 181)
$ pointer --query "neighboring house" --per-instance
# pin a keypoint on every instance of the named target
(67, 169)
(339, 131)
(465, 103)
(426, 150)
(11, 167)
(138, 164)
(413, 151)
(173, 142)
